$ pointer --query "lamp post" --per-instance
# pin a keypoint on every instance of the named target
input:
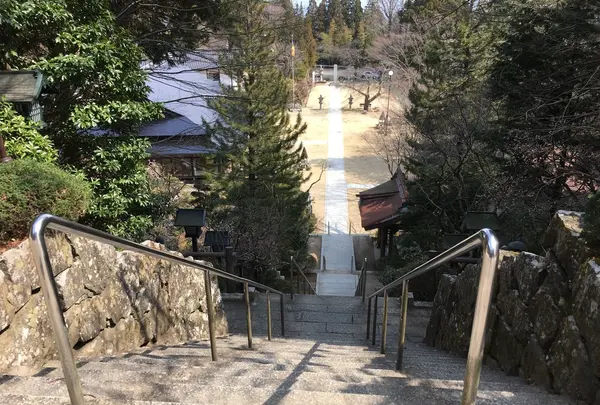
(192, 222)
(387, 113)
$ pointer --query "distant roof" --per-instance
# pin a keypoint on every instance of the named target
(383, 189)
(178, 146)
(178, 150)
(176, 125)
(186, 87)
(20, 86)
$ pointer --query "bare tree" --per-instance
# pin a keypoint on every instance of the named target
(366, 90)
(389, 9)
(389, 143)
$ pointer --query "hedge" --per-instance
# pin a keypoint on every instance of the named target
(29, 188)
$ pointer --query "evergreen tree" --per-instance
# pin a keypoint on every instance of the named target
(312, 12)
(92, 66)
(334, 13)
(449, 113)
(546, 85)
(309, 46)
(258, 197)
(357, 21)
(373, 22)
(320, 23)
(348, 12)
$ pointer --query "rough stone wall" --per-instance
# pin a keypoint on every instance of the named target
(544, 322)
(112, 301)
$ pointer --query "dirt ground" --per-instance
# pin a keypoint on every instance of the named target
(363, 168)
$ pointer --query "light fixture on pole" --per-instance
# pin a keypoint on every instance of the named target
(387, 113)
(192, 221)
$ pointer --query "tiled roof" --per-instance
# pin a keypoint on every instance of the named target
(381, 204)
(20, 86)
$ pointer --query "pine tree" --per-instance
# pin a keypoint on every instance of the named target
(347, 11)
(258, 197)
(449, 111)
(309, 46)
(320, 23)
(357, 20)
(311, 12)
(334, 13)
(373, 22)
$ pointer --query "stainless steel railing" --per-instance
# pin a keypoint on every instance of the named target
(59, 328)
(361, 288)
(297, 270)
(487, 240)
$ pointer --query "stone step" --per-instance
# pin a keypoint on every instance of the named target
(288, 391)
(184, 373)
(20, 399)
(289, 353)
(332, 381)
(200, 392)
(332, 362)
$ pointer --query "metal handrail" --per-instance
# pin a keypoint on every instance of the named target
(484, 238)
(361, 288)
(293, 261)
(42, 262)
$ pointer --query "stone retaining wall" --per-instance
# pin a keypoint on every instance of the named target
(112, 301)
(544, 322)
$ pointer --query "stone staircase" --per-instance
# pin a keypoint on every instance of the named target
(324, 359)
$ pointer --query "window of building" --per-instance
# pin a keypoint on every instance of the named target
(213, 74)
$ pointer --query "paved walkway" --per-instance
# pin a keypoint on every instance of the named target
(336, 247)
(337, 284)
(336, 203)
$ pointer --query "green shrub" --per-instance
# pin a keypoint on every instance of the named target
(29, 188)
(23, 140)
(591, 222)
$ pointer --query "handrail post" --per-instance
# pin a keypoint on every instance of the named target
(248, 315)
(210, 310)
(364, 281)
(269, 330)
(351, 262)
(384, 322)
(402, 333)
(297, 278)
(369, 318)
(324, 263)
(61, 335)
(489, 266)
(281, 314)
(374, 321)
(328, 228)
(229, 264)
(292, 277)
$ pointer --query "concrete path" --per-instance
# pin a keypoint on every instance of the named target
(336, 203)
(336, 284)
(338, 251)
(337, 246)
